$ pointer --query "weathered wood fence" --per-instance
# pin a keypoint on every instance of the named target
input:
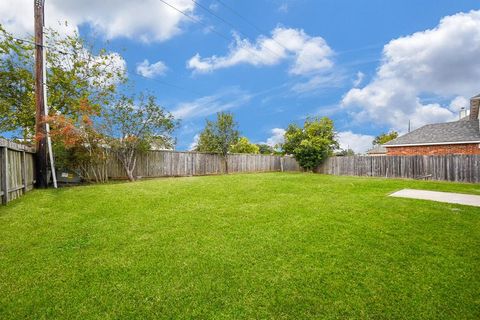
(177, 164)
(16, 170)
(460, 168)
(17, 166)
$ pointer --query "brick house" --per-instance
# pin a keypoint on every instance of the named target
(377, 151)
(457, 137)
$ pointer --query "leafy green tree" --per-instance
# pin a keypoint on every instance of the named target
(134, 125)
(76, 72)
(17, 105)
(244, 146)
(311, 144)
(218, 136)
(265, 148)
(79, 71)
(384, 138)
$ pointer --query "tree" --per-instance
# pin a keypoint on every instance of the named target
(384, 138)
(218, 136)
(75, 72)
(265, 149)
(311, 144)
(17, 105)
(244, 146)
(135, 125)
(80, 145)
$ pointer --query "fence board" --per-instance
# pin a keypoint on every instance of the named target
(459, 168)
(17, 170)
(180, 164)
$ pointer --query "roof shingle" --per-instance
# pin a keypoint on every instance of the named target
(457, 131)
(377, 150)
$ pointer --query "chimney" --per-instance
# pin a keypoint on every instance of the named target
(474, 107)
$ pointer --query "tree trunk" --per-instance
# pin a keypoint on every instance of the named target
(130, 174)
(129, 162)
(226, 164)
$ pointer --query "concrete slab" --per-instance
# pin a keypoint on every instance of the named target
(449, 197)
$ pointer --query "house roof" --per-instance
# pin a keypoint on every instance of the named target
(377, 150)
(463, 131)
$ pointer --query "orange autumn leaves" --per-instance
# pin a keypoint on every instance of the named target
(73, 132)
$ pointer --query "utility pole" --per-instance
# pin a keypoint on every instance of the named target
(40, 125)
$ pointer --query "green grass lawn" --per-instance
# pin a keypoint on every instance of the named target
(282, 246)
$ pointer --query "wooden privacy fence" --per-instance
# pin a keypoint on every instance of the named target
(16, 170)
(460, 168)
(177, 164)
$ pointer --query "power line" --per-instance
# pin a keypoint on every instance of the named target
(262, 31)
(240, 16)
(259, 30)
(165, 83)
(230, 25)
(227, 38)
(213, 14)
(299, 57)
(33, 43)
(162, 82)
(196, 20)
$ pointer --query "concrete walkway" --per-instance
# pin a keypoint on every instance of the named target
(449, 197)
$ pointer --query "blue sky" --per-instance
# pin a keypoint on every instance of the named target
(369, 65)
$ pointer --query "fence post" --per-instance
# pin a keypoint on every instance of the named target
(5, 175)
(192, 157)
(24, 171)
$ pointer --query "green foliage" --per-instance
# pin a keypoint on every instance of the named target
(78, 71)
(345, 153)
(134, 125)
(292, 138)
(220, 135)
(384, 138)
(244, 146)
(17, 105)
(311, 144)
(265, 149)
(75, 72)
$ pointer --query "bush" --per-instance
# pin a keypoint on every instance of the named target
(311, 144)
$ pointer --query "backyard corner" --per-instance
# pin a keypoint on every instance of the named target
(272, 245)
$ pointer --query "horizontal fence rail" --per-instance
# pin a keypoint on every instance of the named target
(179, 164)
(459, 168)
(16, 170)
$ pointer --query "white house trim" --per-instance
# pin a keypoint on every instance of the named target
(429, 144)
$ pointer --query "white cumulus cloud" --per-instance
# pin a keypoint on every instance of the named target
(146, 20)
(359, 143)
(440, 63)
(151, 70)
(194, 143)
(459, 103)
(277, 137)
(308, 54)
